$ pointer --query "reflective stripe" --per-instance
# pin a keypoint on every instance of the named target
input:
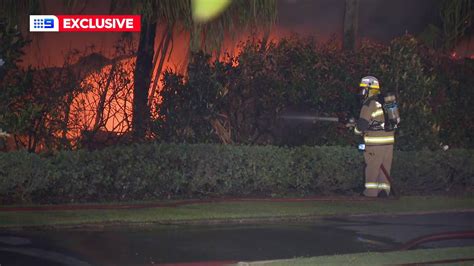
(357, 131)
(374, 185)
(373, 86)
(377, 113)
(379, 140)
(371, 185)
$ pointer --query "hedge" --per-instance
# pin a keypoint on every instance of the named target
(174, 171)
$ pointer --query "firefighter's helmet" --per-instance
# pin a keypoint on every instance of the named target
(369, 87)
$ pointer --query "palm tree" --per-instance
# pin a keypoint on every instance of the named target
(177, 14)
(170, 14)
(351, 17)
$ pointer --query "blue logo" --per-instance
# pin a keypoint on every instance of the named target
(47, 23)
(44, 23)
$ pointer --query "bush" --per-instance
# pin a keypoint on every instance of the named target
(426, 172)
(163, 171)
(23, 177)
(249, 91)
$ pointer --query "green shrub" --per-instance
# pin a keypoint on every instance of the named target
(23, 177)
(413, 85)
(248, 92)
(425, 172)
(163, 171)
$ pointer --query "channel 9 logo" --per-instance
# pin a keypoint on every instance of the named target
(85, 23)
(42, 23)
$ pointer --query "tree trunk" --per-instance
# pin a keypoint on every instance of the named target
(99, 114)
(195, 43)
(142, 78)
(351, 21)
(163, 50)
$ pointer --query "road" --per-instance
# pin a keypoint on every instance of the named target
(155, 244)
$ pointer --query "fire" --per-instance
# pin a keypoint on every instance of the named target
(116, 99)
(105, 101)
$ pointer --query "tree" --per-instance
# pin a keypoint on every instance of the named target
(241, 14)
(142, 79)
(170, 14)
(456, 19)
(351, 20)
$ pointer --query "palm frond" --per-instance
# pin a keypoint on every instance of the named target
(242, 15)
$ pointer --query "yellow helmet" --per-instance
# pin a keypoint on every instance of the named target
(369, 86)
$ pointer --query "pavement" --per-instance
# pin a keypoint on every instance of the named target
(223, 244)
(177, 203)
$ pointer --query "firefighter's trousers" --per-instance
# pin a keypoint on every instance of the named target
(375, 179)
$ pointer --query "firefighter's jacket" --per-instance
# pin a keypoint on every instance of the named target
(371, 123)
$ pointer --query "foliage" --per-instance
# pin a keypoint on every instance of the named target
(249, 92)
(188, 106)
(435, 171)
(17, 12)
(414, 86)
(34, 118)
(23, 176)
(239, 99)
(240, 15)
(101, 107)
(11, 47)
(174, 16)
(70, 114)
(163, 171)
(456, 19)
(16, 109)
(452, 99)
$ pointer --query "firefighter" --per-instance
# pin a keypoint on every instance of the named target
(3, 140)
(378, 137)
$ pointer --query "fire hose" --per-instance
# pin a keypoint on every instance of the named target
(392, 187)
(437, 237)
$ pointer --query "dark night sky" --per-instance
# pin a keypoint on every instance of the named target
(379, 20)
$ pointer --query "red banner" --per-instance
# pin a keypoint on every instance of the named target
(98, 23)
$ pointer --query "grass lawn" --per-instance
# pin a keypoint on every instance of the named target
(232, 212)
(438, 256)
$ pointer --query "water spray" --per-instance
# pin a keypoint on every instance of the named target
(307, 118)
